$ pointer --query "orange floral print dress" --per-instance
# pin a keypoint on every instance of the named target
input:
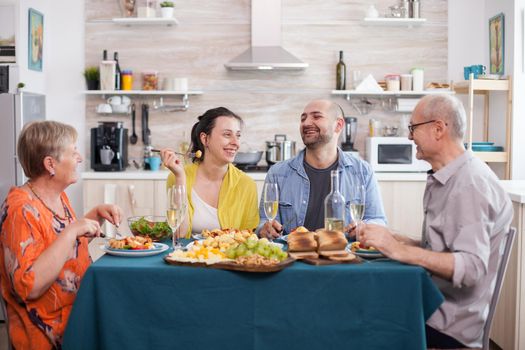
(27, 229)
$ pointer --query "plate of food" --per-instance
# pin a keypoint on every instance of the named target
(154, 227)
(208, 243)
(365, 252)
(133, 246)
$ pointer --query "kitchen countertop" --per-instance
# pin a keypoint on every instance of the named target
(257, 176)
(515, 189)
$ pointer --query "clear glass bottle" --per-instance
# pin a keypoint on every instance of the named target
(118, 73)
(334, 206)
(341, 73)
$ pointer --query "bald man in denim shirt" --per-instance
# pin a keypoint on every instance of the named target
(304, 181)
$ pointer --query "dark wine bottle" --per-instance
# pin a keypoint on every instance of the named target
(105, 55)
(118, 73)
(340, 73)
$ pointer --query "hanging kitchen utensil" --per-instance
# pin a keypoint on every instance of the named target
(133, 138)
(145, 129)
(148, 131)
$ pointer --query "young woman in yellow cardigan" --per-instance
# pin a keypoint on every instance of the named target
(219, 194)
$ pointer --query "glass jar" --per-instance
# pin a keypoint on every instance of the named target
(126, 80)
(417, 79)
(150, 80)
(406, 82)
(392, 82)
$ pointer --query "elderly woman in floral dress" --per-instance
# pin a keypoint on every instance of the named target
(43, 245)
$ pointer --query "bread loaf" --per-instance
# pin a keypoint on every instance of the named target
(302, 242)
(331, 240)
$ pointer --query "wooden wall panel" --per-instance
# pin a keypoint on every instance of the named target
(211, 33)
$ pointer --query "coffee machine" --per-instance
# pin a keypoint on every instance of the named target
(349, 134)
(109, 147)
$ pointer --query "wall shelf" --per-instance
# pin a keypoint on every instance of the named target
(387, 21)
(154, 94)
(142, 92)
(484, 87)
(145, 21)
(349, 93)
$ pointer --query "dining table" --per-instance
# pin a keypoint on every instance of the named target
(145, 303)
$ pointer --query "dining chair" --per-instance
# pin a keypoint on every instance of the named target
(504, 260)
(500, 274)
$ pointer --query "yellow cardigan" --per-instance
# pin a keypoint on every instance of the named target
(237, 208)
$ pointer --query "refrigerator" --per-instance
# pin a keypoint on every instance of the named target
(15, 111)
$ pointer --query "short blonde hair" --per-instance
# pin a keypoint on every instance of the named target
(41, 139)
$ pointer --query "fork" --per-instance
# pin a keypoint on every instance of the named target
(189, 154)
(117, 234)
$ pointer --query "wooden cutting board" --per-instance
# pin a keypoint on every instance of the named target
(325, 261)
(229, 265)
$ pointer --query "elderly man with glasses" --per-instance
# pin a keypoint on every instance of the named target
(467, 213)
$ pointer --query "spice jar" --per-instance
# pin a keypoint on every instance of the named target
(126, 79)
(392, 82)
(150, 80)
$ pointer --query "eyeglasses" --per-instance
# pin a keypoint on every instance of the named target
(412, 127)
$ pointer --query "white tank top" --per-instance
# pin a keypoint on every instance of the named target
(204, 215)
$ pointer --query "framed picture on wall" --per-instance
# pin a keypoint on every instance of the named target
(36, 40)
(497, 44)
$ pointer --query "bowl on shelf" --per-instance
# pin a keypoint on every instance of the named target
(155, 227)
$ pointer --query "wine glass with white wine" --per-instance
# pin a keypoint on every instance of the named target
(176, 210)
(270, 200)
(357, 206)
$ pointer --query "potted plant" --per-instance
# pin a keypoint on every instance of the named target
(166, 9)
(92, 76)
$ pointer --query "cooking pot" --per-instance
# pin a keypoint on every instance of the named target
(247, 158)
(280, 149)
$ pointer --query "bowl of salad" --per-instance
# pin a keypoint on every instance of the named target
(155, 227)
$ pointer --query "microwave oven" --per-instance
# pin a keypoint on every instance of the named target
(394, 154)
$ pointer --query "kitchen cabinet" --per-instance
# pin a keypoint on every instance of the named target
(508, 328)
(403, 203)
(485, 87)
(135, 197)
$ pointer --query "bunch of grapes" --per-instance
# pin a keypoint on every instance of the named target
(261, 247)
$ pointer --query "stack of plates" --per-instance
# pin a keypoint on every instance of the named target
(485, 147)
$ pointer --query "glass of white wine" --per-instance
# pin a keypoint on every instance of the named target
(176, 210)
(270, 200)
(357, 206)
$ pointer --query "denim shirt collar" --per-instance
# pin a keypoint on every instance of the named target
(297, 162)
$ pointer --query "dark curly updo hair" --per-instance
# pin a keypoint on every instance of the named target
(206, 124)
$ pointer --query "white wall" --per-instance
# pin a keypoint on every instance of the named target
(61, 78)
(518, 67)
(468, 44)
(64, 80)
(466, 36)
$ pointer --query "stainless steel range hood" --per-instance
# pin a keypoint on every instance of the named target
(266, 52)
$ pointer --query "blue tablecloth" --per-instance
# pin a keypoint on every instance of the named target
(143, 303)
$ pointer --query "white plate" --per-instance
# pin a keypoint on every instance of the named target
(159, 248)
(197, 236)
(365, 254)
(189, 245)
